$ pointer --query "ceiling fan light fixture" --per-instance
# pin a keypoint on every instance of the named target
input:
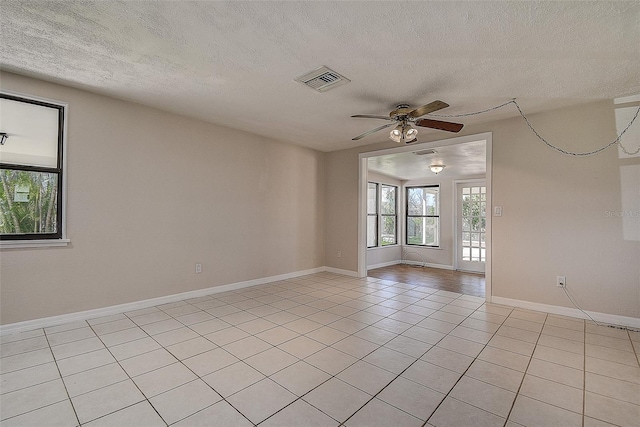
(404, 132)
(411, 133)
(396, 134)
(436, 168)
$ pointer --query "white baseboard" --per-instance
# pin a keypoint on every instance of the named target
(341, 271)
(383, 264)
(46, 322)
(411, 262)
(441, 266)
(611, 319)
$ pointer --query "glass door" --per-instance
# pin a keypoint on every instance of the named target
(471, 208)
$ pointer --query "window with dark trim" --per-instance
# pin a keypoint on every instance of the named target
(382, 217)
(372, 215)
(423, 216)
(31, 169)
(388, 215)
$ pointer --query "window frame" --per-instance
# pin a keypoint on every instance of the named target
(407, 215)
(43, 239)
(380, 216)
(377, 221)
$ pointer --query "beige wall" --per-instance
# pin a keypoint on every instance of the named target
(341, 209)
(555, 206)
(150, 194)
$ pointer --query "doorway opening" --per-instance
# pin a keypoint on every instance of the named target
(441, 221)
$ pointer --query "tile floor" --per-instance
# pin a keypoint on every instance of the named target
(323, 350)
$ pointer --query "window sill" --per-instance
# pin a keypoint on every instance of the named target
(439, 248)
(44, 243)
(373, 248)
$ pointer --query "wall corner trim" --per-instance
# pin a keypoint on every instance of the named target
(610, 319)
(46, 322)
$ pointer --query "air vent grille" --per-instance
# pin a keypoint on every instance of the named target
(323, 79)
(424, 152)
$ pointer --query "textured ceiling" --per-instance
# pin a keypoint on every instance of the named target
(461, 160)
(234, 63)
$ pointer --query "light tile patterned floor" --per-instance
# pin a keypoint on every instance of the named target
(323, 350)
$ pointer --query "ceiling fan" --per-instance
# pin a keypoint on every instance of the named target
(404, 117)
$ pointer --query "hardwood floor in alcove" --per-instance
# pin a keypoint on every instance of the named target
(447, 280)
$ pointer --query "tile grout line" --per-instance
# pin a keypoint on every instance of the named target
(465, 371)
(332, 376)
(241, 360)
(397, 376)
(198, 377)
(177, 361)
(130, 379)
(75, 412)
(44, 382)
(384, 345)
(513, 404)
(633, 347)
(347, 367)
(584, 374)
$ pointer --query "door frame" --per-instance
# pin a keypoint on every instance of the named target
(362, 195)
(456, 230)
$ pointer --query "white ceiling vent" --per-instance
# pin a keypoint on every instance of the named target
(323, 79)
(424, 152)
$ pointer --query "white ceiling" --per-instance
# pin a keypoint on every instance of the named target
(460, 160)
(234, 63)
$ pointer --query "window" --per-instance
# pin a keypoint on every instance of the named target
(372, 215)
(423, 216)
(30, 169)
(382, 217)
(388, 216)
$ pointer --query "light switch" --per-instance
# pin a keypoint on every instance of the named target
(497, 211)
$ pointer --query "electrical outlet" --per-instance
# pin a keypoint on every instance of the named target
(198, 268)
(339, 254)
(561, 281)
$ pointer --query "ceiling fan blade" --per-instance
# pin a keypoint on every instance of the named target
(412, 141)
(372, 131)
(429, 108)
(369, 116)
(437, 124)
